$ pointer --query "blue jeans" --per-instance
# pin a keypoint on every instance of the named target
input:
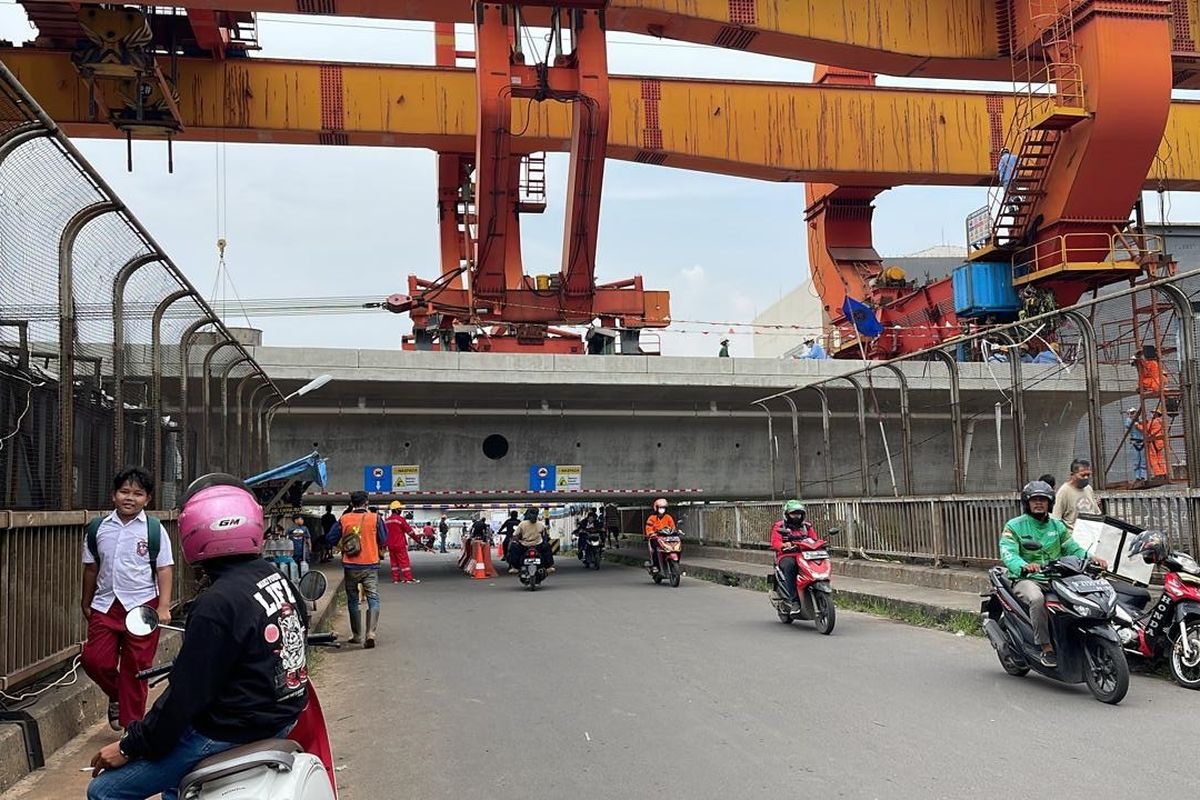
(368, 578)
(142, 779)
(1139, 463)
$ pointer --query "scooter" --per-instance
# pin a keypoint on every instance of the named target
(532, 572)
(1170, 630)
(299, 767)
(812, 584)
(591, 548)
(665, 561)
(1081, 610)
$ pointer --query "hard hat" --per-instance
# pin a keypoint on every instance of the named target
(395, 504)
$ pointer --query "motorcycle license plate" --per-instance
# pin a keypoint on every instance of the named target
(1078, 583)
(533, 561)
(816, 555)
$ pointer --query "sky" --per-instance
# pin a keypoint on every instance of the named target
(321, 222)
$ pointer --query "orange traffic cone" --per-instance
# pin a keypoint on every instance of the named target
(481, 568)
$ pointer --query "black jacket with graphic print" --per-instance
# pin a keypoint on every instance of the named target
(241, 674)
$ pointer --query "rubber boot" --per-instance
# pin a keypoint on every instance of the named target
(356, 628)
(372, 623)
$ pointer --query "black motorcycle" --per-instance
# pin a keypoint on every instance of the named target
(591, 548)
(1081, 609)
(531, 572)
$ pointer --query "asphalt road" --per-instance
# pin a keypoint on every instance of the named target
(603, 685)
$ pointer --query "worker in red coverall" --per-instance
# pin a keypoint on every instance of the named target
(398, 531)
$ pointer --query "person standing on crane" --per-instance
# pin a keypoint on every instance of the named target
(1149, 372)
(724, 352)
(1137, 444)
(816, 351)
(1006, 167)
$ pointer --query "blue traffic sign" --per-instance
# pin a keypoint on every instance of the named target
(377, 478)
(541, 478)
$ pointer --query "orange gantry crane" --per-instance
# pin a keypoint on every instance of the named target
(1083, 128)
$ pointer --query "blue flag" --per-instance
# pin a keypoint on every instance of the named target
(863, 317)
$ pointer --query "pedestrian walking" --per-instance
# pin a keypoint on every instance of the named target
(127, 562)
(1076, 495)
(328, 520)
(443, 532)
(398, 531)
(1137, 444)
(361, 535)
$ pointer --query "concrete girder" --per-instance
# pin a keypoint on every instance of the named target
(766, 131)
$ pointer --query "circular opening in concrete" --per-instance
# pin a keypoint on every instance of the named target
(495, 447)
(659, 444)
(578, 444)
(408, 444)
(737, 444)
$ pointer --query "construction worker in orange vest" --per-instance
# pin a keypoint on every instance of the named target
(1156, 444)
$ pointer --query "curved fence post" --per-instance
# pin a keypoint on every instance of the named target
(905, 428)
(206, 410)
(770, 444)
(225, 460)
(1095, 405)
(156, 375)
(956, 420)
(251, 448)
(795, 443)
(66, 345)
(118, 352)
(1187, 379)
(826, 441)
(862, 434)
(1021, 469)
(185, 347)
(237, 459)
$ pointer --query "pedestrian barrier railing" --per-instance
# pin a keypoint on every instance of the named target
(41, 574)
(944, 529)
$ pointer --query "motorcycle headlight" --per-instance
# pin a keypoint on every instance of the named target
(1086, 610)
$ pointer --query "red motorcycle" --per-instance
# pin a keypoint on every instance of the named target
(666, 546)
(814, 570)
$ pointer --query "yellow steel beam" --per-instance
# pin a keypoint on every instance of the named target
(770, 131)
(932, 38)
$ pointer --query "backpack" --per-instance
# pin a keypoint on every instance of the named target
(153, 540)
(351, 542)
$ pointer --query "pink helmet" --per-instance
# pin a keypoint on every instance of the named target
(220, 517)
(661, 501)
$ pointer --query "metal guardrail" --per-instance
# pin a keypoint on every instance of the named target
(41, 574)
(946, 529)
(83, 288)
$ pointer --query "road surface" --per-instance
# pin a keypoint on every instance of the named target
(603, 685)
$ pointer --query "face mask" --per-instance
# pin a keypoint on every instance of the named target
(660, 510)
(1083, 482)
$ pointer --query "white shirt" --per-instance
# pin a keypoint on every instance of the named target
(125, 572)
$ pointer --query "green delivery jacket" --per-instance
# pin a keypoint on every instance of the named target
(1052, 535)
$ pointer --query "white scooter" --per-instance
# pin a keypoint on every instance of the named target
(299, 767)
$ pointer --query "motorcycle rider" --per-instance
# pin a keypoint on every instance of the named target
(241, 673)
(1053, 541)
(506, 530)
(785, 534)
(588, 525)
(657, 522)
(530, 533)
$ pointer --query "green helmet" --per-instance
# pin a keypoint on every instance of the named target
(792, 506)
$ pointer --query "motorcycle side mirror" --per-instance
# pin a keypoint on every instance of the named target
(313, 586)
(141, 621)
(833, 531)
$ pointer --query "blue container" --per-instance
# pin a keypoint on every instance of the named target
(984, 289)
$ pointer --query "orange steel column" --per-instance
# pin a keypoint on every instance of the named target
(494, 199)
(841, 252)
(454, 171)
(1124, 52)
(589, 140)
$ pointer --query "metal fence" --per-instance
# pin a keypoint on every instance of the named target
(97, 328)
(1001, 435)
(41, 572)
(953, 529)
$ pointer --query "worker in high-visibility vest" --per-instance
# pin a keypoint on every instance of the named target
(1149, 375)
(1156, 444)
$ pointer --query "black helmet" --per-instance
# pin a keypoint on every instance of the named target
(1150, 545)
(1035, 489)
(531, 514)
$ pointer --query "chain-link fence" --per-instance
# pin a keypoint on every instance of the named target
(98, 327)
